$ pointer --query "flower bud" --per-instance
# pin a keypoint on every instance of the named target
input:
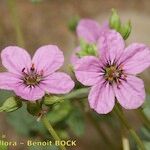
(114, 21)
(49, 100)
(73, 23)
(33, 108)
(87, 49)
(126, 30)
(11, 104)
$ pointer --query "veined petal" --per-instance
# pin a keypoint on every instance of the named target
(57, 83)
(29, 93)
(8, 80)
(101, 98)
(88, 70)
(136, 58)
(48, 58)
(74, 57)
(14, 59)
(111, 46)
(88, 30)
(131, 93)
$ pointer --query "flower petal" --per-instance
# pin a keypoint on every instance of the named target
(88, 30)
(48, 58)
(15, 59)
(87, 70)
(57, 83)
(111, 45)
(101, 98)
(130, 94)
(136, 58)
(29, 93)
(8, 80)
(74, 57)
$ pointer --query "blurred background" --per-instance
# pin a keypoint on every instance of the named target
(41, 22)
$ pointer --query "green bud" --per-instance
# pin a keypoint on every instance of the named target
(114, 21)
(11, 104)
(73, 22)
(49, 100)
(87, 49)
(33, 108)
(125, 30)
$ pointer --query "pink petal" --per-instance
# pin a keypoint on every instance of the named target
(74, 57)
(101, 98)
(87, 70)
(15, 59)
(30, 94)
(57, 83)
(8, 80)
(48, 58)
(111, 45)
(136, 58)
(130, 94)
(88, 30)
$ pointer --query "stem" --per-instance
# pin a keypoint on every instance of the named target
(144, 118)
(134, 135)
(76, 94)
(125, 143)
(16, 23)
(52, 131)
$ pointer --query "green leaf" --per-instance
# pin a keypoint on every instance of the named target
(25, 124)
(76, 122)
(59, 112)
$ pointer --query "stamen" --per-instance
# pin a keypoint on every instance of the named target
(32, 68)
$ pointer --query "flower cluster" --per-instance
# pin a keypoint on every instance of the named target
(111, 75)
(103, 63)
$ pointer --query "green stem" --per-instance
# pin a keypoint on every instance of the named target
(134, 135)
(52, 131)
(144, 118)
(16, 23)
(76, 94)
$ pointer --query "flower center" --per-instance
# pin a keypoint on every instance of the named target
(112, 73)
(32, 77)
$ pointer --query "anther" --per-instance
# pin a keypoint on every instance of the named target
(32, 67)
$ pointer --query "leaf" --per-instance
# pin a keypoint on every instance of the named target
(59, 112)
(24, 123)
(76, 122)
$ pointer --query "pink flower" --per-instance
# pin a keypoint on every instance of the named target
(30, 79)
(112, 76)
(90, 31)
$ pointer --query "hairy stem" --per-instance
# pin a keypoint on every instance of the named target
(134, 135)
(16, 23)
(52, 131)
